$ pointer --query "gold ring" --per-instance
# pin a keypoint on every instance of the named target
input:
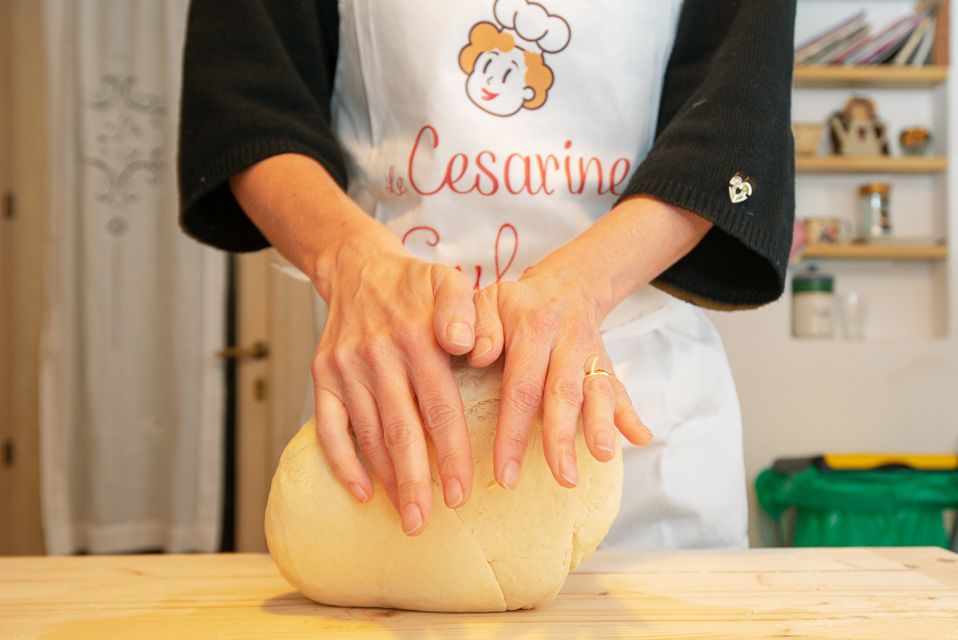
(598, 372)
(593, 371)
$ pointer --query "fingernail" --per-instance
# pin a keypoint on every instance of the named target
(359, 492)
(460, 334)
(411, 518)
(452, 491)
(568, 470)
(509, 476)
(647, 435)
(604, 443)
(483, 346)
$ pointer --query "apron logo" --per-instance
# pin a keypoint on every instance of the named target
(505, 65)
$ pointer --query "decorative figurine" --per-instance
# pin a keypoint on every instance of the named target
(857, 131)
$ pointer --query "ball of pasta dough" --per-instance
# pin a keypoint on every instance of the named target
(502, 550)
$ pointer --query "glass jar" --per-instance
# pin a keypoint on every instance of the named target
(874, 218)
(813, 304)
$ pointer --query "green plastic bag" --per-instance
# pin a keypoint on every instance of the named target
(887, 508)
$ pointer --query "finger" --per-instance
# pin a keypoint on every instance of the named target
(406, 444)
(488, 328)
(332, 422)
(523, 376)
(364, 419)
(598, 412)
(626, 419)
(560, 414)
(440, 405)
(455, 313)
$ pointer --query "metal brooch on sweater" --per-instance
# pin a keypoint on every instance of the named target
(739, 188)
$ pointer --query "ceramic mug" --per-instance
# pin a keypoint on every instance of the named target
(827, 230)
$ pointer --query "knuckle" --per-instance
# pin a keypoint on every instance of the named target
(560, 435)
(566, 436)
(411, 486)
(448, 463)
(398, 435)
(370, 441)
(567, 392)
(599, 386)
(388, 482)
(439, 416)
(515, 441)
(544, 321)
(320, 366)
(527, 397)
(373, 350)
(563, 441)
(341, 357)
(409, 337)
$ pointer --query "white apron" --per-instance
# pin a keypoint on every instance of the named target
(486, 134)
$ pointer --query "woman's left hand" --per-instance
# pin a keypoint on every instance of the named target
(548, 323)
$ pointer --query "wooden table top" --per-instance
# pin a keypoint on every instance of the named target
(773, 593)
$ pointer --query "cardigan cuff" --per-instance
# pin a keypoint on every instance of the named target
(741, 262)
(210, 212)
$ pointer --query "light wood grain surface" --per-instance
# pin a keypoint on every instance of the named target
(793, 593)
(874, 76)
(871, 164)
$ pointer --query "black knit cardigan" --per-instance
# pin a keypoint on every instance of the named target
(258, 76)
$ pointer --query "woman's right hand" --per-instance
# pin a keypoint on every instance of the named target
(382, 368)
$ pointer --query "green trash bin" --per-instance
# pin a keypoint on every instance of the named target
(882, 507)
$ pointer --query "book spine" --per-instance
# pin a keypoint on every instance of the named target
(924, 49)
(816, 39)
(891, 42)
(841, 48)
(825, 45)
(882, 38)
(908, 50)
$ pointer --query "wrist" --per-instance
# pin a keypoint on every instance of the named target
(595, 294)
(345, 252)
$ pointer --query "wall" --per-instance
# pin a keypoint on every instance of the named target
(881, 394)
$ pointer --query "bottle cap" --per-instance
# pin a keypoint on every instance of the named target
(883, 188)
(811, 279)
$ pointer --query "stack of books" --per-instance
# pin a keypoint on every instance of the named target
(906, 41)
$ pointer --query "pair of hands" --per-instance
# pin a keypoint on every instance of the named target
(382, 370)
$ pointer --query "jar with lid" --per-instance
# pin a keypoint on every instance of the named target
(874, 218)
(813, 304)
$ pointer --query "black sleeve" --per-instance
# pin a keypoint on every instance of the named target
(257, 80)
(726, 109)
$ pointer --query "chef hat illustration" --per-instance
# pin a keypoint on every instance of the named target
(534, 29)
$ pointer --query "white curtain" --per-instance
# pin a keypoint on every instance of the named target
(132, 392)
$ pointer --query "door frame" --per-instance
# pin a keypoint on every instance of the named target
(23, 175)
(274, 309)
(5, 248)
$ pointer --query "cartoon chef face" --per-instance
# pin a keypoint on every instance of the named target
(498, 83)
(504, 63)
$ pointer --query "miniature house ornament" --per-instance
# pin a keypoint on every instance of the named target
(857, 131)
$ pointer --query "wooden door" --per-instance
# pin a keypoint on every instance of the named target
(5, 194)
(22, 212)
(275, 339)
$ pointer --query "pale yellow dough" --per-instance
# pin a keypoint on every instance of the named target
(502, 550)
